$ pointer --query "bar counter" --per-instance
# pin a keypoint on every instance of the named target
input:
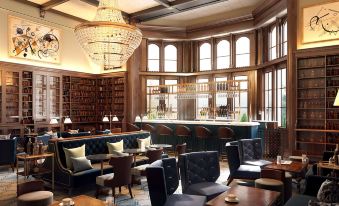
(242, 130)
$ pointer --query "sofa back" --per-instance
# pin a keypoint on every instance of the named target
(79, 134)
(97, 144)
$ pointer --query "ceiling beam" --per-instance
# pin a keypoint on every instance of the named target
(52, 3)
(96, 4)
(174, 7)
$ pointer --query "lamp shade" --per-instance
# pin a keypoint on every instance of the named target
(105, 119)
(137, 118)
(336, 101)
(145, 117)
(53, 121)
(67, 120)
(115, 119)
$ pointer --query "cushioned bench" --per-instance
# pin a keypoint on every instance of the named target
(94, 145)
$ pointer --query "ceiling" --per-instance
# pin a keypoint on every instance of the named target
(177, 13)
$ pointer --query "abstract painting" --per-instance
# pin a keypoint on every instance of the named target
(321, 22)
(29, 40)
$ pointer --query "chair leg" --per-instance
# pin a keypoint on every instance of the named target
(97, 192)
(130, 190)
(230, 179)
(119, 189)
(12, 166)
(113, 193)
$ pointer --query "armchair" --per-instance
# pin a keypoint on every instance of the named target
(238, 170)
(8, 152)
(163, 181)
(199, 171)
(251, 152)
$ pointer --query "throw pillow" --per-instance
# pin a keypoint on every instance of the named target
(119, 154)
(147, 142)
(73, 152)
(5, 136)
(117, 146)
(328, 192)
(76, 131)
(81, 164)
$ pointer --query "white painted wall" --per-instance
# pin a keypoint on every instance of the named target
(73, 58)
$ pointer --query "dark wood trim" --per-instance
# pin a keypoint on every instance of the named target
(268, 10)
(51, 4)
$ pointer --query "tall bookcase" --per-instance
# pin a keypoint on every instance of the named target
(27, 99)
(317, 125)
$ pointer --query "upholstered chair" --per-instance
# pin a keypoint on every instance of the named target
(121, 175)
(252, 152)
(225, 134)
(198, 172)
(184, 135)
(8, 152)
(238, 170)
(162, 179)
(164, 134)
(132, 127)
(32, 194)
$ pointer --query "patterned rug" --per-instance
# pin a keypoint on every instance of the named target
(8, 183)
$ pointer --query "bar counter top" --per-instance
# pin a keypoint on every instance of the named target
(202, 122)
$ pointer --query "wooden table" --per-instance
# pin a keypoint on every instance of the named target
(326, 165)
(27, 159)
(135, 152)
(294, 167)
(84, 200)
(247, 196)
(101, 158)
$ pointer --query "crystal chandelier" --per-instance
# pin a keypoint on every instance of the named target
(108, 40)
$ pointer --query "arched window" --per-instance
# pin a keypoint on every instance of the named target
(284, 39)
(223, 54)
(242, 52)
(170, 58)
(153, 58)
(273, 43)
(205, 57)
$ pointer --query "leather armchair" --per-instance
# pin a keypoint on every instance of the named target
(8, 152)
(238, 170)
(251, 152)
(163, 181)
(199, 171)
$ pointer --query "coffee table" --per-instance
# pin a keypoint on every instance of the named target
(84, 200)
(294, 167)
(101, 158)
(135, 152)
(326, 165)
(247, 196)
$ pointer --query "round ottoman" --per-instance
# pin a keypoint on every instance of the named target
(38, 198)
(271, 184)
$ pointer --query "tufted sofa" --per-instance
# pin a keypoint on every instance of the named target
(94, 145)
(79, 134)
(199, 171)
(163, 181)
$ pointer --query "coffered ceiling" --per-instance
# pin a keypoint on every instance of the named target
(178, 13)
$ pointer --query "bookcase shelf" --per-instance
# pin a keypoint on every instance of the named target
(317, 126)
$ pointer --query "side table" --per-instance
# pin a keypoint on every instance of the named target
(27, 160)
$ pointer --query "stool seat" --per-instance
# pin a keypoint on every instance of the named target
(268, 182)
(100, 180)
(37, 198)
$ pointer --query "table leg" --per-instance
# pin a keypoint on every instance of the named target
(135, 160)
(318, 170)
(17, 171)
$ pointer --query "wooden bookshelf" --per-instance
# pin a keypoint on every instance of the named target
(27, 99)
(119, 97)
(12, 100)
(317, 128)
(104, 100)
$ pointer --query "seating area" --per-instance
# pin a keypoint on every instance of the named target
(169, 102)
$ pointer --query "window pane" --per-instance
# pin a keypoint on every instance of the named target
(152, 100)
(202, 102)
(205, 64)
(205, 57)
(170, 66)
(172, 99)
(221, 99)
(243, 99)
(153, 51)
(243, 45)
(223, 62)
(285, 39)
(243, 60)
(170, 58)
(153, 65)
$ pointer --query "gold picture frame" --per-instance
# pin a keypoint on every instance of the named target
(33, 41)
(320, 22)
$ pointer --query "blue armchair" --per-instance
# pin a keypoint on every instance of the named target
(199, 171)
(8, 152)
(238, 170)
(163, 181)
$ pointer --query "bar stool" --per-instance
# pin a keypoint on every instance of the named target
(131, 127)
(184, 135)
(164, 133)
(225, 134)
(149, 128)
(202, 134)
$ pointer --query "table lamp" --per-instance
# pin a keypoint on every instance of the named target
(336, 101)
(54, 121)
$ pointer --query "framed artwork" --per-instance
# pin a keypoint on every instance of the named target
(320, 22)
(32, 41)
